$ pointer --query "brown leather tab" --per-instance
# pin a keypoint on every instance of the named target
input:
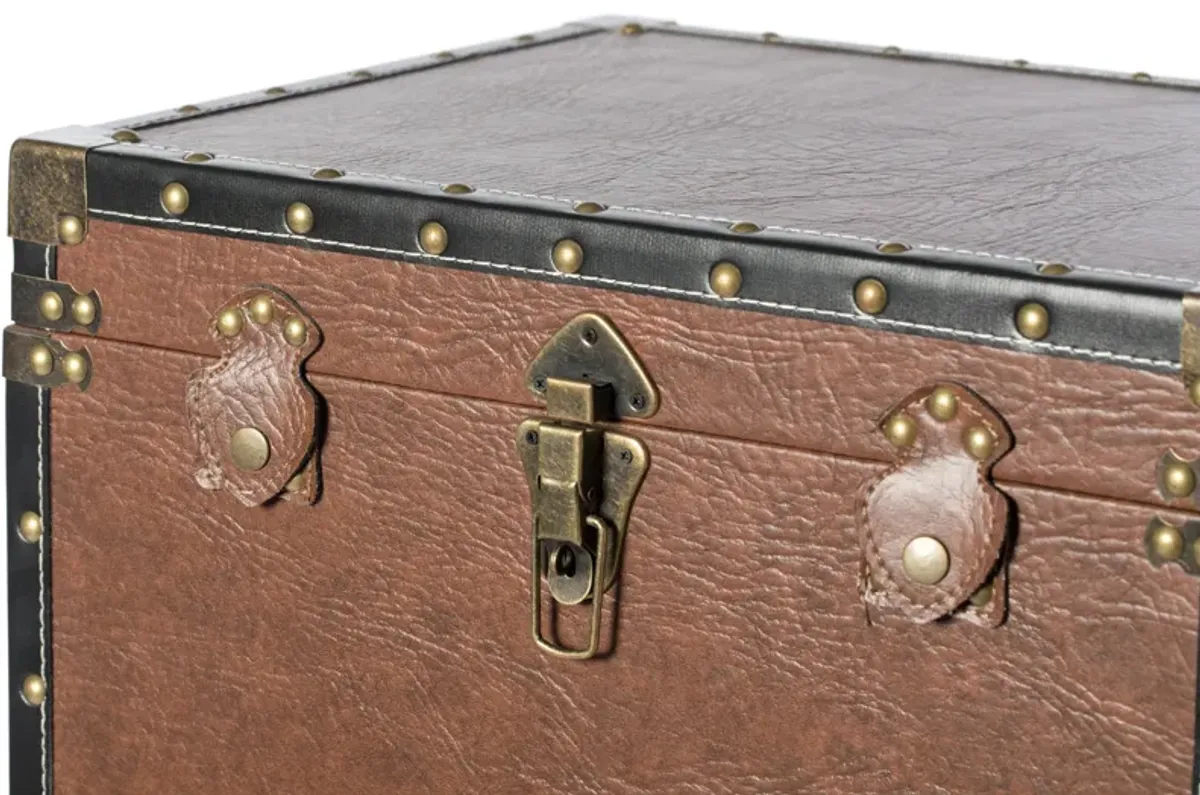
(938, 505)
(254, 417)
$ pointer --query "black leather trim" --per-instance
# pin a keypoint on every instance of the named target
(29, 622)
(1106, 317)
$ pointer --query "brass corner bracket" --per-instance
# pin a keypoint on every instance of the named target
(39, 360)
(47, 186)
(583, 476)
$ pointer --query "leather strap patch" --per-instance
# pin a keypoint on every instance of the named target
(933, 529)
(255, 419)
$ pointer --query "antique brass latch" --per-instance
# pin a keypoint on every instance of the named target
(583, 477)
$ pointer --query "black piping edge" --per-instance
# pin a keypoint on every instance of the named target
(601, 24)
(1095, 315)
(1196, 736)
(29, 648)
(357, 77)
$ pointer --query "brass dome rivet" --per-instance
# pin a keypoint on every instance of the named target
(433, 238)
(770, 37)
(126, 136)
(362, 74)
(83, 310)
(567, 256)
(189, 109)
(870, 296)
(30, 527)
(1033, 321)
(589, 208)
(979, 442)
(70, 230)
(942, 404)
(1142, 77)
(525, 38)
(175, 198)
(925, 560)
(632, 29)
(229, 322)
(262, 309)
(197, 157)
(295, 331)
(33, 690)
(41, 360)
(275, 91)
(1166, 542)
(1020, 63)
(891, 50)
(444, 55)
(1194, 392)
(893, 247)
(75, 367)
(725, 279)
(457, 188)
(744, 227)
(984, 595)
(249, 449)
(1054, 269)
(328, 173)
(299, 218)
(900, 430)
(50, 305)
(1179, 479)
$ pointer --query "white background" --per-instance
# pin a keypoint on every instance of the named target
(65, 63)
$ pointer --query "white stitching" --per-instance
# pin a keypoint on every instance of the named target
(684, 216)
(804, 310)
(43, 512)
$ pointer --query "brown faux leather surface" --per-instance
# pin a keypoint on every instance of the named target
(936, 488)
(259, 384)
(381, 643)
(844, 144)
(1079, 426)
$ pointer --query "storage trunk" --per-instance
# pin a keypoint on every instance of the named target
(624, 408)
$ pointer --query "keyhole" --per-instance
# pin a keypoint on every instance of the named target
(564, 562)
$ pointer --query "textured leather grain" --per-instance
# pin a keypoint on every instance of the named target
(258, 384)
(1079, 426)
(828, 143)
(937, 489)
(381, 644)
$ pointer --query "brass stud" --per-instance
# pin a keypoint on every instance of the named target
(893, 247)
(70, 230)
(175, 198)
(1166, 542)
(725, 279)
(189, 109)
(984, 595)
(457, 188)
(249, 449)
(33, 690)
(979, 442)
(1033, 321)
(197, 157)
(589, 208)
(299, 218)
(1054, 269)
(50, 305)
(362, 74)
(891, 50)
(1142, 77)
(229, 322)
(942, 404)
(870, 296)
(567, 256)
(262, 309)
(925, 560)
(1194, 392)
(75, 367)
(126, 136)
(295, 331)
(30, 527)
(900, 430)
(632, 29)
(328, 173)
(525, 38)
(444, 55)
(41, 360)
(1020, 63)
(744, 227)
(275, 91)
(433, 238)
(1179, 479)
(83, 310)
(770, 37)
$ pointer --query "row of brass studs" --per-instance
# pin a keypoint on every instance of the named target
(42, 362)
(901, 429)
(262, 312)
(33, 688)
(51, 308)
